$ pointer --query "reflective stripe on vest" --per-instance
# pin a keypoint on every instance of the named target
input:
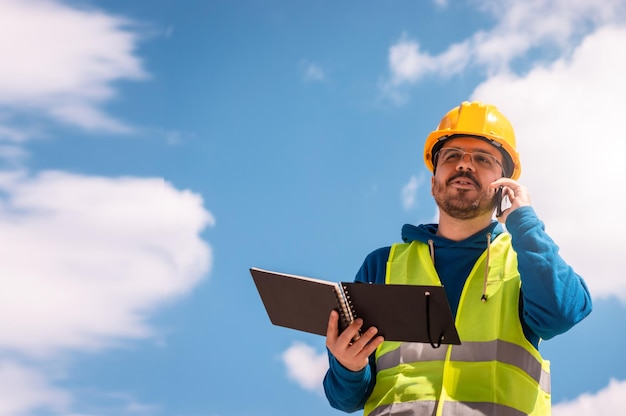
(495, 370)
(423, 408)
(498, 350)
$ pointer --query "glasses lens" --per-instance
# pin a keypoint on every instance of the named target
(484, 160)
(453, 155)
(450, 155)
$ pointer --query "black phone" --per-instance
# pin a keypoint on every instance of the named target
(502, 202)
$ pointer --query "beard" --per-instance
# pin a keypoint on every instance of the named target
(459, 203)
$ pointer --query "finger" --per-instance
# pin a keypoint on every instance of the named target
(504, 182)
(352, 331)
(363, 351)
(497, 183)
(332, 332)
(364, 338)
(364, 343)
(371, 346)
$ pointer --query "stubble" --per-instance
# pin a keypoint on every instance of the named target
(460, 203)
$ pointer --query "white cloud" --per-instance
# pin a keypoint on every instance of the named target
(566, 117)
(86, 259)
(604, 403)
(25, 390)
(305, 366)
(409, 192)
(408, 63)
(61, 62)
(312, 72)
(521, 27)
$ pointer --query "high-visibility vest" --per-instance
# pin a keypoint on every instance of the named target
(495, 371)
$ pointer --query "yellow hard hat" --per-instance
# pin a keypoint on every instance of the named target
(479, 120)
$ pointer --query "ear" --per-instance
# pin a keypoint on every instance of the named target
(432, 184)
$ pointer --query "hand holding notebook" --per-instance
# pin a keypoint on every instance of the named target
(399, 312)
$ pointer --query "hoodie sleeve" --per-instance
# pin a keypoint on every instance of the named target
(554, 297)
(348, 390)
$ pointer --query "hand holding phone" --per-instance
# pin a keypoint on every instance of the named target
(510, 195)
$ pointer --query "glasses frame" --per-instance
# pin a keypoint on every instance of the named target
(471, 155)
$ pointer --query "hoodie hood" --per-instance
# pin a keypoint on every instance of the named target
(426, 232)
(455, 258)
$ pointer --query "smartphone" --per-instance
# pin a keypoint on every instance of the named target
(502, 202)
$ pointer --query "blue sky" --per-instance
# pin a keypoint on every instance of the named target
(152, 151)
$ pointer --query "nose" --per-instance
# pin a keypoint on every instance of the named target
(465, 163)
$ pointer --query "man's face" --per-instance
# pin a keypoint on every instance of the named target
(460, 185)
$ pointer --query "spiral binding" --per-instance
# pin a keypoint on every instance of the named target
(347, 312)
(348, 305)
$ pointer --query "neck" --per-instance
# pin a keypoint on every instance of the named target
(459, 229)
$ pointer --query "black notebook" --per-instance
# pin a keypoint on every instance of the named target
(400, 312)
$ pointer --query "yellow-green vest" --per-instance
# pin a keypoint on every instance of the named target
(495, 371)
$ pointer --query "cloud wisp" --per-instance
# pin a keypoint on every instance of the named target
(521, 28)
(311, 71)
(25, 390)
(604, 403)
(409, 192)
(60, 63)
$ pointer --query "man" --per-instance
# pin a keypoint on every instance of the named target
(507, 289)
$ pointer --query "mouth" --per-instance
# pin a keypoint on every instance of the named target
(464, 182)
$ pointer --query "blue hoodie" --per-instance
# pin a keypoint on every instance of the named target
(553, 297)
